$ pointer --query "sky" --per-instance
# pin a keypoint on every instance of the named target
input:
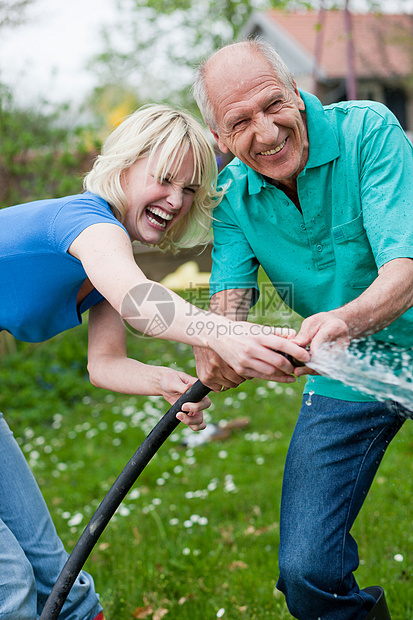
(46, 57)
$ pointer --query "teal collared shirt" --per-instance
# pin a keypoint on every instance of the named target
(356, 195)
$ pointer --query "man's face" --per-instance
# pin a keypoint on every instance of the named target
(259, 119)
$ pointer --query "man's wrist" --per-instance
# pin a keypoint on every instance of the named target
(350, 324)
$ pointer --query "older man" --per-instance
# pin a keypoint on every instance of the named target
(321, 198)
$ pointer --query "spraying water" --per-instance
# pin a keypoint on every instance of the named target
(377, 369)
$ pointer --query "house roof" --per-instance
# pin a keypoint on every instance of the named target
(383, 45)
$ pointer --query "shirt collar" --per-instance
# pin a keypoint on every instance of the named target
(323, 142)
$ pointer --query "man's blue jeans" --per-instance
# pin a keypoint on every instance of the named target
(31, 554)
(334, 454)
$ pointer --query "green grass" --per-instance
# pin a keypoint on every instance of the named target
(199, 531)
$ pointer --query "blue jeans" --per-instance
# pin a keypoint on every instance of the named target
(333, 457)
(31, 553)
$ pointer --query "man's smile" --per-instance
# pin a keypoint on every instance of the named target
(276, 150)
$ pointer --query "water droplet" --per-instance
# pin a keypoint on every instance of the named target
(310, 394)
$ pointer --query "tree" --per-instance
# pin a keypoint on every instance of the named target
(110, 103)
(39, 157)
(155, 45)
(153, 48)
(12, 12)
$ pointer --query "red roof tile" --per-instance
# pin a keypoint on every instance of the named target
(383, 44)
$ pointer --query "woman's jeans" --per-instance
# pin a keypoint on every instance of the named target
(31, 553)
(334, 454)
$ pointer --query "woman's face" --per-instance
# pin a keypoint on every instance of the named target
(154, 207)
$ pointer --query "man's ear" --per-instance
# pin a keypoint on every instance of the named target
(222, 146)
(300, 102)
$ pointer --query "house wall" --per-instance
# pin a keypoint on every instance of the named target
(376, 90)
(373, 89)
(329, 90)
(305, 82)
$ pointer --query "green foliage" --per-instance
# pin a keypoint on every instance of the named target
(12, 12)
(110, 103)
(39, 156)
(155, 44)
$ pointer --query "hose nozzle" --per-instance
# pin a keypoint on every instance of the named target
(296, 363)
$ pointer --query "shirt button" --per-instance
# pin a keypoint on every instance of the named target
(285, 202)
(302, 226)
(319, 247)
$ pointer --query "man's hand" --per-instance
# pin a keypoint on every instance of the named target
(255, 352)
(211, 369)
(387, 298)
(324, 328)
(214, 372)
(321, 328)
(244, 350)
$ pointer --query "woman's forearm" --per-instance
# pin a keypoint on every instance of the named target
(155, 310)
(125, 375)
(250, 349)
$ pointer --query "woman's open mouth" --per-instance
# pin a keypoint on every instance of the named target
(158, 217)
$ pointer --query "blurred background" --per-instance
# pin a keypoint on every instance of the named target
(70, 71)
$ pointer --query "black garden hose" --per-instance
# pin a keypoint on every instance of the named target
(113, 499)
(166, 425)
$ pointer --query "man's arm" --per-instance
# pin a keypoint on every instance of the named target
(211, 369)
(233, 303)
(387, 298)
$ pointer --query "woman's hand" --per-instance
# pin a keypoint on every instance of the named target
(254, 351)
(173, 385)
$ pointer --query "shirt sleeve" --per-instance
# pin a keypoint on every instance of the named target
(75, 215)
(234, 264)
(387, 192)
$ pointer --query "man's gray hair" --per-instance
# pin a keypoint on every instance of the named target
(256, 45)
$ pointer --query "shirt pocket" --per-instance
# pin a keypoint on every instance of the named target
(354, 256)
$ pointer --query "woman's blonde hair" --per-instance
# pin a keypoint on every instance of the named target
(152, 127)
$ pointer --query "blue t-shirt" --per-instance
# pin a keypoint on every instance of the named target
(39, 279)
(356, 195)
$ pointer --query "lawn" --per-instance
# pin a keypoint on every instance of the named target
(197, 536)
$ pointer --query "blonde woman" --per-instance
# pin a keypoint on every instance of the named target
(155, 182)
